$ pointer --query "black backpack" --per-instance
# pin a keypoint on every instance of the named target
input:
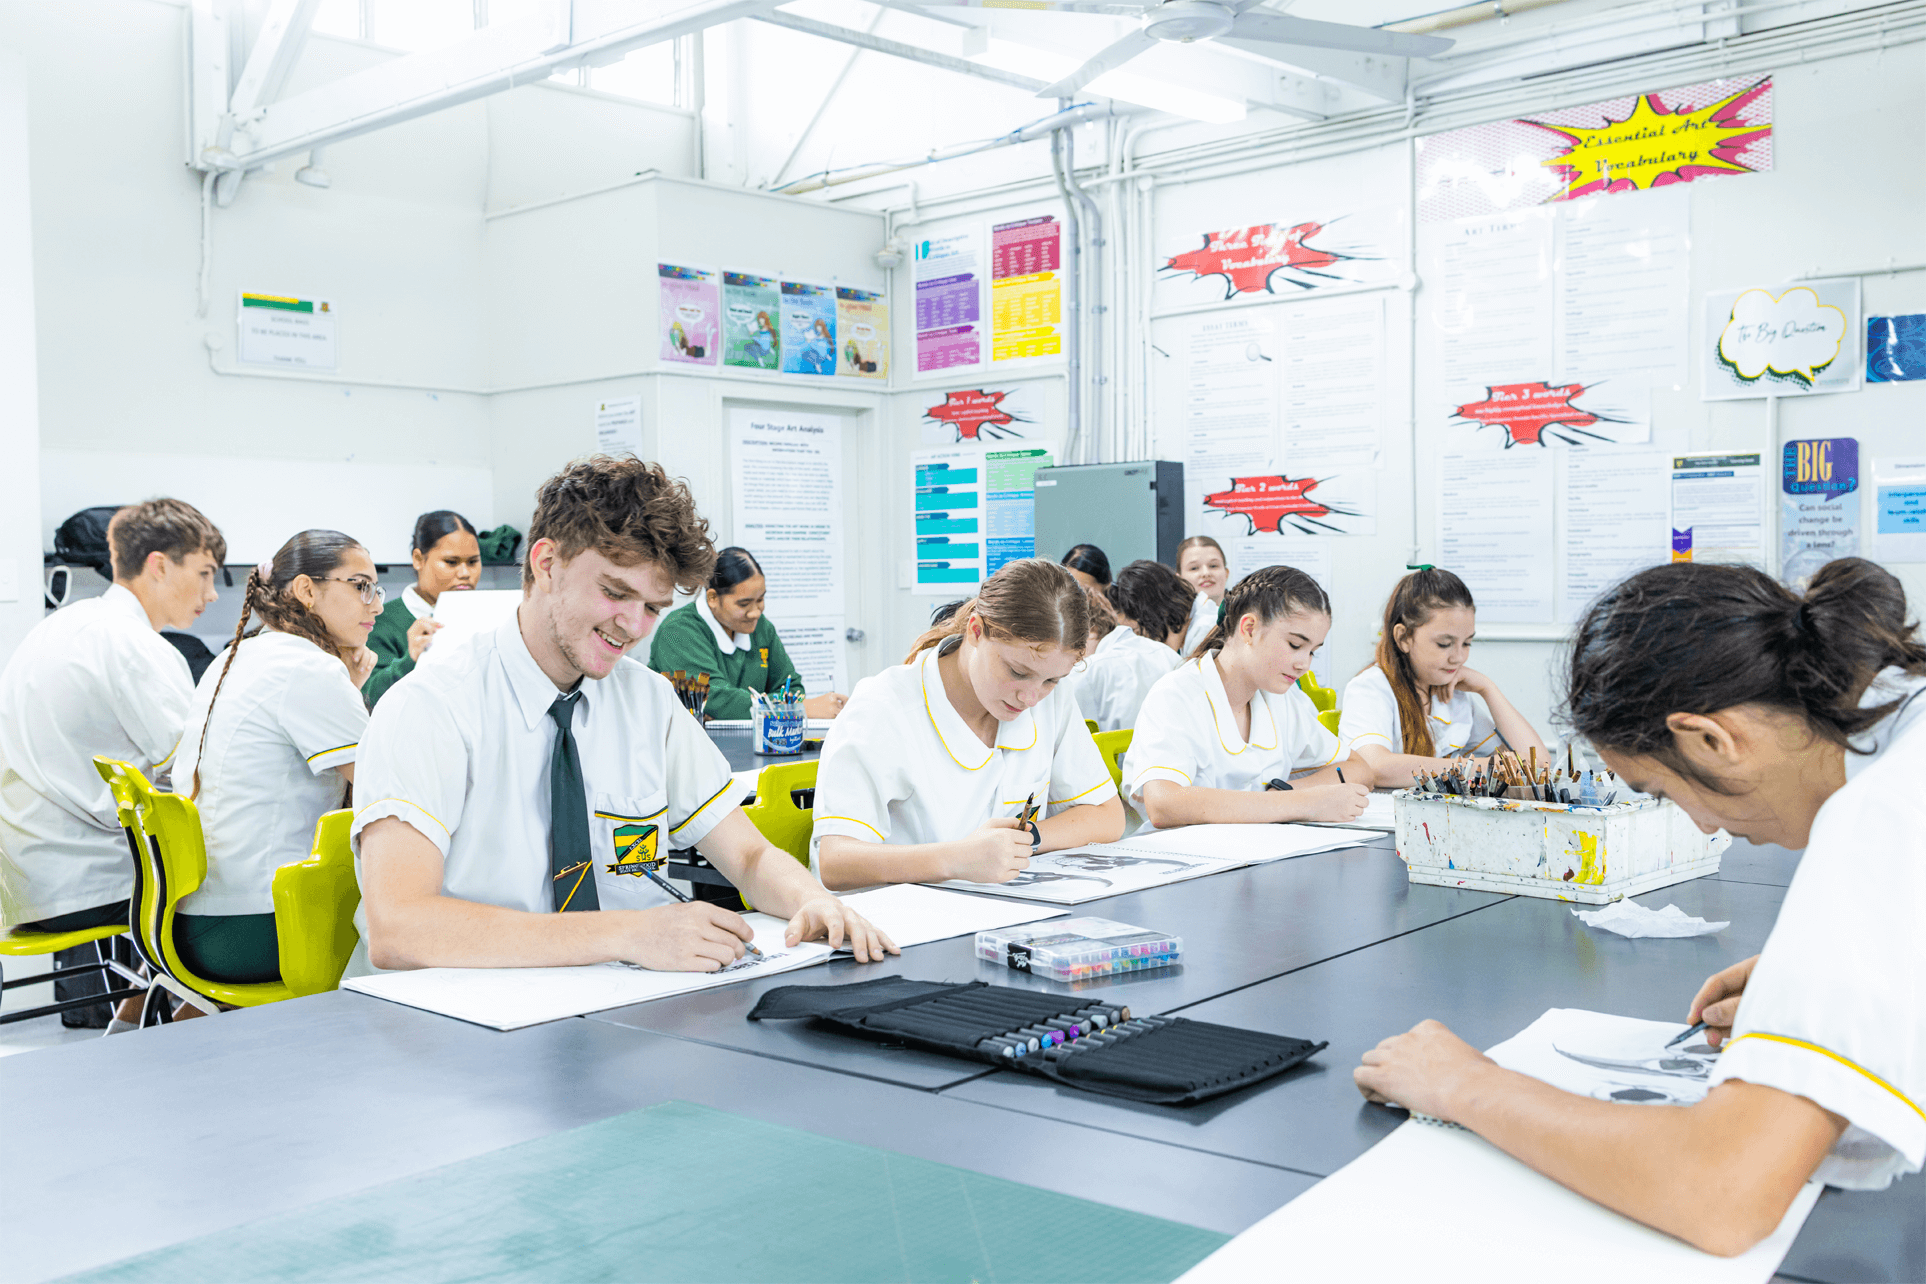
(81, 540)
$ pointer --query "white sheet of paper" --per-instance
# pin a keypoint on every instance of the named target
(467, 615)
(1615, 504)
(509, 998)
(1535, 1228)
(1623, 267)
(1155, 858)
(1496, 303)
(1333, 379)
(1379, 813)
(915, 915)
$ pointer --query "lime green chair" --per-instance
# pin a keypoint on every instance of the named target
(1113, 745)
(775, 812)
(1324, 698)
(18, 944)
(315, 936)
(1092, 724)
(1329, 719)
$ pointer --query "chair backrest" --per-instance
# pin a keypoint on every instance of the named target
(775, 812)
(1329, 717)
(314, 903)
(1113, 745)
(1324, 699)
(1092, 724)
(170, 861)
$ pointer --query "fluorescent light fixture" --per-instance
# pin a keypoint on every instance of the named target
(1160, 95)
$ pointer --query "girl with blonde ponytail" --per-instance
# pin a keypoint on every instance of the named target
(1219, 738)
(969, 757)
(270, 743)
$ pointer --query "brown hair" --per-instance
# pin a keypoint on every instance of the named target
(628, 510)
(1032, 601)
(167, 526)
(1102, 618)
(315, 554)
(1269, 594)
(1691, 637)
(1155, 596)
(1202, 541)
(1417, 597)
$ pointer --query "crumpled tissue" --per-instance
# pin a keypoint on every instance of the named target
(1628, 918)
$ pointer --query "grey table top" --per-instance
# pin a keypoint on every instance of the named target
(1744, 863)
(1239, 928)
(738, 745)
(314, 1098)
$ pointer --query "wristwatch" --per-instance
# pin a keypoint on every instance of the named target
(1036, 835)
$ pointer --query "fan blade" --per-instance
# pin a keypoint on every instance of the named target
(1279, 29)
(1107, 59)
(1124, 8)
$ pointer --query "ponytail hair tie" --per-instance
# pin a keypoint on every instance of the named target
(265, 570)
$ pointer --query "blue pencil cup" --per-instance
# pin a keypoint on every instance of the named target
(779, 732)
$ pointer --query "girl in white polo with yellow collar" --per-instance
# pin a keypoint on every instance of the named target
(1214, 736)
(968, 758)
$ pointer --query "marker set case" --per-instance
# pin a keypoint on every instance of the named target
(1078, 949)
(1091, 1046)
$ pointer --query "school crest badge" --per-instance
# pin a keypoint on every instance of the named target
(763, 651)
(635, 849)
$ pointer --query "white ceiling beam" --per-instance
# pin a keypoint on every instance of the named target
(275, 50)
(1382, 77)
(896, 48)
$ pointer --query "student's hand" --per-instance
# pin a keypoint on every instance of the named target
(420, 634)
(1717, 1002)
(1330, 802)
(1422, 1069)
(1468, 679)
(691, 937)
(1362, 771)
(824, 706)
(361, 665)
(826, 918)
(996, 853)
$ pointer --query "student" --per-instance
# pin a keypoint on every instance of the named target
(1214, 735)
(1717, 687)
(447, 557)
(1201, 562)
(1088, 563)
(537, 772)
(724, 634)
(270, 744)
(1412, 708)
(935, 765)
(1151, 607)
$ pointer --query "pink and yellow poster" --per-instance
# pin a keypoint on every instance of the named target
(1680, 135)
(862, 325)
(691, 321)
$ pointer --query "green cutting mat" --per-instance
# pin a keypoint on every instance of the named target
(686, 1194)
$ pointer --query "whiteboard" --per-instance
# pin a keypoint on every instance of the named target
(259, 503)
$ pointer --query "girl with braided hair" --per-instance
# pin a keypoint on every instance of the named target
(270, 743)
(1217, 740)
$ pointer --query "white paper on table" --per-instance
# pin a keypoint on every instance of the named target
(467, 615)
(1156, 858)
(509, 998)
(1629, 918)
(1501, 1221)
(745, 724)
(1379, 813)
(915, 915)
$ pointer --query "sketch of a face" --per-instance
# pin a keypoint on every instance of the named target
(1676, 1063)
(1092, 862)
(1037, 877)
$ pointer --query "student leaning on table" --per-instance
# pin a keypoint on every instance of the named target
(1720, 689)
(725, 634)
(1229, 720)
(447, 557)
(935, 763)
(541, 773)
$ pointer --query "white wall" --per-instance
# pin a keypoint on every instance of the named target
(20, 606)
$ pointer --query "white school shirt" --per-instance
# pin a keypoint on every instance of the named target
(92, 678)
(1119, 674)
(1461, 726)
(1890, 684)
(1187, 733)
(1203, 618)
(901, 766)
(461, 752)
(288, 716)
(1835, 1011)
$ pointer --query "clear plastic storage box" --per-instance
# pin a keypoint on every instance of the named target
(1078, 949)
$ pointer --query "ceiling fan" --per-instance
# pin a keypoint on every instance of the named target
(1187, 21)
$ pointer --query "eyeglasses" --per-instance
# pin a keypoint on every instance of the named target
(370, 591)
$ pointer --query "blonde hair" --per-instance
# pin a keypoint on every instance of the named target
(1032, 601)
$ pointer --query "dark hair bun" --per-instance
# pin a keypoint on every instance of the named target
(733, 566)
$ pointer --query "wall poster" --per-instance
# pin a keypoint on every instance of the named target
(689, 314)
(751, 311)
(1818, 506)
(1026, 289)
(786, 474)
(1790, 342)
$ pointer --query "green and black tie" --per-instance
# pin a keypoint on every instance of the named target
(570, 859)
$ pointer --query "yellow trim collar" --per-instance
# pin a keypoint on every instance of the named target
(1827, 1052)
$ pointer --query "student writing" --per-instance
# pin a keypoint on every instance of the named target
(1229, 720)
(1413, 707)
(1717, 687)
(510, 801)
(1152, 608)
(937, 767)
(447, 558)
(725, 634)
(270, 744)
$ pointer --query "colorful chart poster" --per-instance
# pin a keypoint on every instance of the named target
(980, 414)
(690, 314)
(276, 330)
(1289, 256)
(1794, 341)
(1646, 141)
(1896, 348)
(1718, 509)
(1818, 506)
(949, 303)
(808, 328)
(1010, 504)
(862, 326)
(1899, 486)
(751, 311)
(1026, 289)
(949, 486)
